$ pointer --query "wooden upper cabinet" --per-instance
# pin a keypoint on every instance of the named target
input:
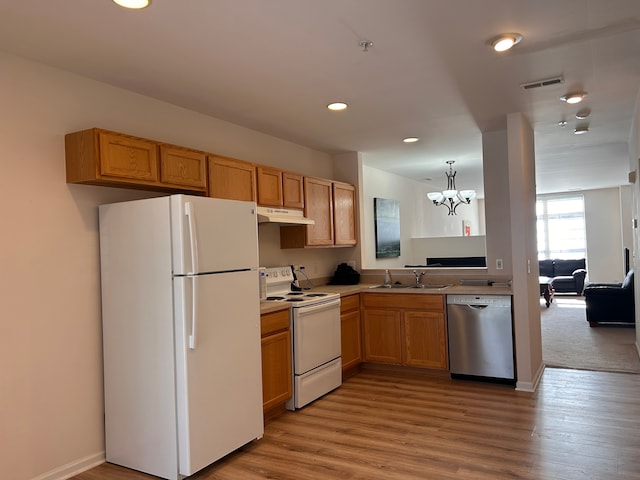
(332, 205)
(318, 195)
(292, 190)
(231, 179)
(100, 157)
(269, 186)
(279, 189)
(183, 167)
(344, 214)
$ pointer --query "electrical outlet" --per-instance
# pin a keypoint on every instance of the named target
(352, 264)
(499, 265)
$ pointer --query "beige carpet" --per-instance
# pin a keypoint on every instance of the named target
(568, 341)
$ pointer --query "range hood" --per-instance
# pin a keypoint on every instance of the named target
(282, 215)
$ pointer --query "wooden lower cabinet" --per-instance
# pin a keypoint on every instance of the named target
(276, 360)
(350, 333)
(425, 339)
(405, 329)
(382, 336)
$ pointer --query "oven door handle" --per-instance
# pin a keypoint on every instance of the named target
(309, 309)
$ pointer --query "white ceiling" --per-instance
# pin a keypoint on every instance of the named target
(273, 65)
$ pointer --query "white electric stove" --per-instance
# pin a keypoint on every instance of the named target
(315, 335)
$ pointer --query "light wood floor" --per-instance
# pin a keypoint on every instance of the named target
(382, 425)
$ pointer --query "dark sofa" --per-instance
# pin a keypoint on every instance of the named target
(611, 303)
(567, 276)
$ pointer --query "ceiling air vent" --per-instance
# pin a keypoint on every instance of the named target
(548, 82)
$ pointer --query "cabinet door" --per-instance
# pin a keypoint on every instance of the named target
(350, 339)
(183, 167)
(382, 336)
(425, 339)
(276, 369)
(344, 214)
(231, 179)
(292, 190)
(269, 186)
(128, 157)
(319, 207)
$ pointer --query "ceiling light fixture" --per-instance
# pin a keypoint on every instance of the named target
(410, 139)
(366, 45)
(505, 41)
(337, 106)
(581, 129)
(575, 97)
(582, 114)
(450, 197)
(134, 4)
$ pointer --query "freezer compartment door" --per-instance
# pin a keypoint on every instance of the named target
(213, 235)
(219, 375)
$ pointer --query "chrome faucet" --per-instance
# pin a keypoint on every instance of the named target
(418, 276)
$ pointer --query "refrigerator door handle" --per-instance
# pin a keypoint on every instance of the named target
(193, 242)
(194, 298)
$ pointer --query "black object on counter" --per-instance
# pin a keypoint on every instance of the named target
(345, 275)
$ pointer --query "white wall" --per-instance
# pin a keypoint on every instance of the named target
(51, 407)
(603, 222)
(418, 217)
(634, 165)
(449, 247)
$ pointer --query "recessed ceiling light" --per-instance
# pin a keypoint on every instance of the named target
(337, 106)
(581, 130)
(410, 139)
(572, 98)
(562, 123)
(505, 41)
(135, 4)
(582, 114)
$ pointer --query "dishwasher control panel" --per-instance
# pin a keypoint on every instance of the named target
(494, 300)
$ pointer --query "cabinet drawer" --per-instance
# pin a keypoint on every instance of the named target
(348, 303)
(273, 322)
(399, 300)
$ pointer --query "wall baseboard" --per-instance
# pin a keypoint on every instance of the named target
(531, 386)
(73, 468)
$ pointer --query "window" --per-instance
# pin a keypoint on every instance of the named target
(561, 230)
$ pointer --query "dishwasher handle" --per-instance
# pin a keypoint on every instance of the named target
(477, 307)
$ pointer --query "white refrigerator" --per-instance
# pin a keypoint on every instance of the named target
(181, 332)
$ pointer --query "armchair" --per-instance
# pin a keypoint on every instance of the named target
(610, 302)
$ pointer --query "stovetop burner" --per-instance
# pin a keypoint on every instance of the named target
(279, 288)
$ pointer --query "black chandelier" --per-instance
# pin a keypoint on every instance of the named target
(450, 197)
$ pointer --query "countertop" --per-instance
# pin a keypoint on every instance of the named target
(344, 290)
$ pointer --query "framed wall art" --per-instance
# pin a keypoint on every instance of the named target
(387, 226)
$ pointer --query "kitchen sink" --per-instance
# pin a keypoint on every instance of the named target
(428, 286)
(395, 285)
(423, 286)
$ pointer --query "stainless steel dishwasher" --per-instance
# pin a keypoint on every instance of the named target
(480, 332)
